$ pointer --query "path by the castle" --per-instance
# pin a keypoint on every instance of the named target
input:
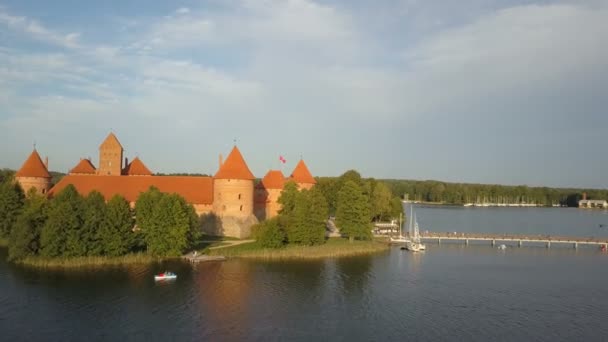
(228, 243)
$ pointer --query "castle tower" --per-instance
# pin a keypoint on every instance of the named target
(233, 195)
(84, 167)
(233, 187)
(110, 157)
(34, 174)
(302, 176)
(136, 168)
(267, 194)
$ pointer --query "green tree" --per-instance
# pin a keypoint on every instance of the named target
(316, 218)
(381, 201)
(116, 233)
(269, 234)
(168, 223)
(11, 203)
(63, 224)
(24, 240)
(352, 214)
(93, 220)
(288, 200)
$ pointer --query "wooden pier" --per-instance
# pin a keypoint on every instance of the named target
(519, 240)
(196, 258)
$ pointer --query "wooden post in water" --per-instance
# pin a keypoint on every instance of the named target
(519, 244)
(493, 242)
(576, 245)
(548, 244)
(466, 242)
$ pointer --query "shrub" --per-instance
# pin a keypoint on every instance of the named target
(269, 234)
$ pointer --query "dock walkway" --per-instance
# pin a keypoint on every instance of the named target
(547, 240)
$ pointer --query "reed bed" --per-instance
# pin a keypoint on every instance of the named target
(333, 248)
(90, 261)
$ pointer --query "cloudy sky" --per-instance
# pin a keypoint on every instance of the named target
(485, 91)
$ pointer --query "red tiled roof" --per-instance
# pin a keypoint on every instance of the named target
(136, 168)
(196, 190)
(33, 167)
(234, 167)
(274, 179)
(301, 174)
(111, 142)
(83, 167)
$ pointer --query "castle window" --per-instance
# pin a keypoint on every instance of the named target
(43, 191)
(239, 196)
(241, 208)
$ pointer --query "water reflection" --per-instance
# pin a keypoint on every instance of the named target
(354, 274)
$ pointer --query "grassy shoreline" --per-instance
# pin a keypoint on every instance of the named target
(333, 248)
(88, 262)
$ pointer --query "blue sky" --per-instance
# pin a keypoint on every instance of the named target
(510, 92)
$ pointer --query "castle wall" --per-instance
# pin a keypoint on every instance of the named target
(42, 185)
(233, 197)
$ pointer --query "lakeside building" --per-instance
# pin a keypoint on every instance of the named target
(228, 202)
(593, 204)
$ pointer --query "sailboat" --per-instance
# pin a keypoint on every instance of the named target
(401, 238)
(415, 244)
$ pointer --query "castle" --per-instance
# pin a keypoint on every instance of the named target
(228, 201)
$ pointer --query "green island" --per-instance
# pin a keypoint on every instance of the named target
(73, 231)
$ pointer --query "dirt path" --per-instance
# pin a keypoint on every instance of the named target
(230, 243)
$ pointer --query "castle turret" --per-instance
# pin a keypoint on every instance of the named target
(302, 176)
(34, 174)
(233, 195)
(110, 157)
(267, 194)
(136, 168)
(84, 167)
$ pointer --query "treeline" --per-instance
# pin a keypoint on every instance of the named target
(461, 193)
(355, 203)
(70, 225)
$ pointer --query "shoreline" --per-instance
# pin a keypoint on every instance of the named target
(333, 248)
(89, 261)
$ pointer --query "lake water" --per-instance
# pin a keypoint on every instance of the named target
(449, 293)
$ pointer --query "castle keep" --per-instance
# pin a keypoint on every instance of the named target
(228, 201)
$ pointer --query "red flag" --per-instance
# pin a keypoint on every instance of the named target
(282, 159)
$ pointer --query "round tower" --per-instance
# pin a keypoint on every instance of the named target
(34, 174)
(233, 195)
(267, 194)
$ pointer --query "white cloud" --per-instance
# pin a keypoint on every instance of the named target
(36, 30)
(182, 10)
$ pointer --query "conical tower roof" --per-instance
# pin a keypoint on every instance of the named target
(274, 179)
(234, 167)
(301, 174)
(137, 168)
(33, 167)
(111, 142)
(84, 167)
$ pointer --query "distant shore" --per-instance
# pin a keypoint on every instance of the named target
(333, 248)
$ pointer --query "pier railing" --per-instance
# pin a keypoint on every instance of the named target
(520, 239)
